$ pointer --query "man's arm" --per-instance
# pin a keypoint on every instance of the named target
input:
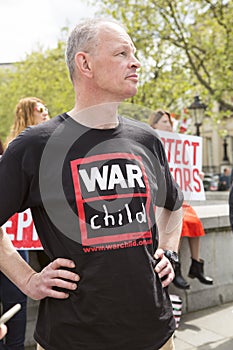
(169, 225)
(37, 285)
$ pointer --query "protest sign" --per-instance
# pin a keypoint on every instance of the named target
(22, 231)
(184, 154)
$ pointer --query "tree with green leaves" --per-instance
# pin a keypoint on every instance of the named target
(186, 48)
(42, 74)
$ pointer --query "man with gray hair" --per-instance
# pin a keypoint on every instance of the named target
(92, 179)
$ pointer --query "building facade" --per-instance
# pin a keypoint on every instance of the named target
(217, 144)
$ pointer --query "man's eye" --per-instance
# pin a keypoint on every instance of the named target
(123, 53)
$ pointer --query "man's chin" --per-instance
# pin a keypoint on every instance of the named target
(132, 92)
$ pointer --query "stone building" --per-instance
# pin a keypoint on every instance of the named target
(217, 144)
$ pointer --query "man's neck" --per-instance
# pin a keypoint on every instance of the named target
(102, 116)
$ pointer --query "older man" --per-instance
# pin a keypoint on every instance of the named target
(92, 179)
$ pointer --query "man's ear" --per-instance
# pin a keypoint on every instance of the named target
(83, 63)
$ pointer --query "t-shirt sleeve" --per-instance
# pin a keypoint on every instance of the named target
(169, 194)
(14, 186)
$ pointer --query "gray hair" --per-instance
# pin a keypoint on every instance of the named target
(84, 37)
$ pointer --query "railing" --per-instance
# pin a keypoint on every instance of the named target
(211, 169)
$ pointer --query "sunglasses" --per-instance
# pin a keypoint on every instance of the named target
(41, 109)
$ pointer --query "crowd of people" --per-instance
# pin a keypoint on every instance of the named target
(105, 205)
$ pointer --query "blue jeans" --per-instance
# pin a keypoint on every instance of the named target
(9, 296)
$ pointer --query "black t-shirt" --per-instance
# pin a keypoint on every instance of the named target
(92, 195)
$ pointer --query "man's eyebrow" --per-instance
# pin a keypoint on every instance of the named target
(126, 46)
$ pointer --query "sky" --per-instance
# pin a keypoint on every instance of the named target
(26, 24)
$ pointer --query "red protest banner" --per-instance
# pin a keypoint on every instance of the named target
(22, 231)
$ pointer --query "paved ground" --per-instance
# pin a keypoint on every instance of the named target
(207, 329)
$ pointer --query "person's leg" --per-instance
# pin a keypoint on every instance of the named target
(169, 345)
(11, 295)
(17, 325)
(197, 266)
(179, 280)
(194, 245)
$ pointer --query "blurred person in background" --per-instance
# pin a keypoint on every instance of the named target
(29, 111)
(192, 226)
(224, 180)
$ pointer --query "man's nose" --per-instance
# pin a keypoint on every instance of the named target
(135, 62)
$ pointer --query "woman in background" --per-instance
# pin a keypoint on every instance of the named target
(192, 226)
(29, 111)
